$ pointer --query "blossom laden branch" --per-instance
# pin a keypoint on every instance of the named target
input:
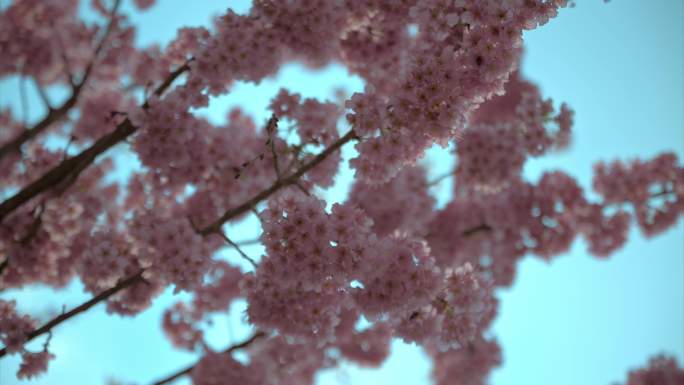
(56, 114)
(215, 227)
(72, 167)
(125, 283)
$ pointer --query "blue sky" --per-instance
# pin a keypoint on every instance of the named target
(575, 320)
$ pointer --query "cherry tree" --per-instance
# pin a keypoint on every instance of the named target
(338, 280)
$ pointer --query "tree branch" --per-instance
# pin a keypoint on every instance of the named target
(474, 230)
(206, 231)
(237, 247)
(43, 95)
(215, 227)
(248, 242)
(230, 349)
(57, 114)
(662, 193)
(74, 165)
(440, 178)
(81, 308)
(101, 43)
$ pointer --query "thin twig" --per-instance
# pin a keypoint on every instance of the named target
(248, 242)
(228, 241)
(271, 128)
(296, 150)
(43, 95)
(302, 189)
(662, 193)
(65, 59)
(46, 344)
(24, 101)
(230, 349)
(440, 178)
(237, 247)
(101, 43)
(66, 148)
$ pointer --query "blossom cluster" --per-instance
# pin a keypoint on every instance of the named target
(14, 329)
(35, 51)
(408, 190)
(319, 274)
(504, 131)
(181, 320)
(471, 365)
(299, 287)
(45, 242)
(661, 370)
(464, 55)
(221, 368)
(170, 250)
(654, 188)
(494, 231)
(457, 316)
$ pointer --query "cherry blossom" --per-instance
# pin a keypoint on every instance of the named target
(337, 280)
(661, 369)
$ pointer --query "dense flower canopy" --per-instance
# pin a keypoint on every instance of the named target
(338, 280)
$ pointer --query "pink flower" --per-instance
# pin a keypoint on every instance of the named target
(34, 364)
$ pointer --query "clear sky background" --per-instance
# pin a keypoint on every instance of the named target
(577, 320)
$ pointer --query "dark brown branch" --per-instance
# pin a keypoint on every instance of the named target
(230, 349)
(474, 230)
(72, 167)
(292, 179)
(81, 308)
(52, 116)
(56, 114)
(69, 167)
(248, 242)
(170, 79)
